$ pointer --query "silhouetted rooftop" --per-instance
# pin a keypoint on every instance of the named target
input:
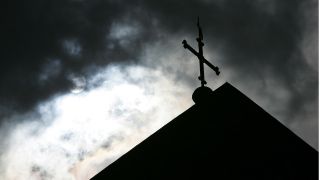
(227, 136)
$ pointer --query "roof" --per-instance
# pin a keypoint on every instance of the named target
(227, 136)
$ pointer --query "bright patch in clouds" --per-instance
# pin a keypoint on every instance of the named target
(123, 33)
(78, 83)
(73, 136)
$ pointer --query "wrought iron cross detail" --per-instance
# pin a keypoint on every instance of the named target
(200, 56)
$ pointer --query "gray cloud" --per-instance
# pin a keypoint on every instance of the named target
(255, 39)
(72, 31)
(68, 136)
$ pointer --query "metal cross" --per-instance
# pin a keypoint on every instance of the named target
(200, 56)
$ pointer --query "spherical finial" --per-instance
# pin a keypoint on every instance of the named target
(201, 94)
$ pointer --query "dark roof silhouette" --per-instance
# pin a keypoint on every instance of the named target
(227, 136)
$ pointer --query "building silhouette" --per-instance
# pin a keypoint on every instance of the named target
(225, 135)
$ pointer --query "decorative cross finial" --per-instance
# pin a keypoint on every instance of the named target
(200, 55)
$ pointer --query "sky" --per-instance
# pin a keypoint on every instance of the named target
(83, 81)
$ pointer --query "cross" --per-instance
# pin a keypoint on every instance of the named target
(200, 56)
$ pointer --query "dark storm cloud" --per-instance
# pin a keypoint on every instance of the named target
(46, 41)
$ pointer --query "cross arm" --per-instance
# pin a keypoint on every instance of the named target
(187, 46)
(201, 58)
(215, 68)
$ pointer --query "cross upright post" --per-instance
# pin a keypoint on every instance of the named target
(200, 56)
(200, 47)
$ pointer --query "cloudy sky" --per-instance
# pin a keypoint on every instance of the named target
(83, 81)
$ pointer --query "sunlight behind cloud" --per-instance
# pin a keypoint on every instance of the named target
(73, 136)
